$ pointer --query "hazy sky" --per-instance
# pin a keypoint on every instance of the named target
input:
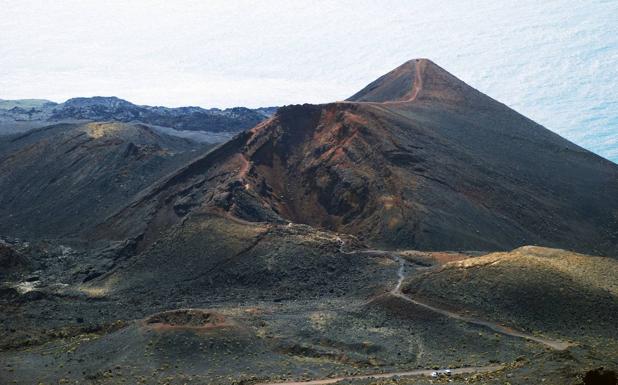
(554, 61)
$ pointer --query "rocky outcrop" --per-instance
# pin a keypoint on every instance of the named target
(100, 108)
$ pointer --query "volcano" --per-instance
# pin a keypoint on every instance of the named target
(327, 240)
(417, 159)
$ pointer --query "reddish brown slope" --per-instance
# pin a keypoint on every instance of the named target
(419, 80)
(417, 159)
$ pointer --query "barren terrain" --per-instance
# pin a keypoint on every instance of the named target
(370, 241)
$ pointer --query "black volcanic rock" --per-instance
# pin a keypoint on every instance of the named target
(100, 108)
(106, 102)
(11, 259)
(182, 118)
(97, 109)
(418, 160)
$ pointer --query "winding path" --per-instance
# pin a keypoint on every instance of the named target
(554, 344)
(396, 291)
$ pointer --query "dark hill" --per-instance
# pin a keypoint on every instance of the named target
(418, 159)
(555, 291)
(67, 177)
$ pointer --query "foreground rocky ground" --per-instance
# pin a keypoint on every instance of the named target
(254, 319)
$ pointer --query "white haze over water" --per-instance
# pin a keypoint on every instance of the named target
(554, 61)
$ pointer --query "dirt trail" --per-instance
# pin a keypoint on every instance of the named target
(554, 344)
(244, 168)
(418, 81)
(396, 291)
(422, 372)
